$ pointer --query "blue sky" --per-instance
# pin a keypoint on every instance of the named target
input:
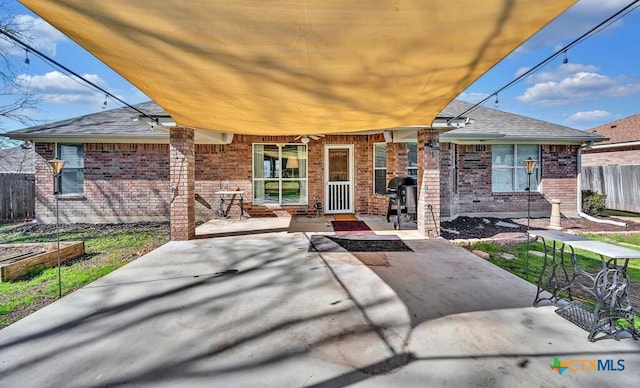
(600, 83)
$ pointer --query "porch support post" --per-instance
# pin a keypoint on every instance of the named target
(428, 182)
(182, 178)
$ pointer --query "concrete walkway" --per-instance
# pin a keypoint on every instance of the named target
(261, 310)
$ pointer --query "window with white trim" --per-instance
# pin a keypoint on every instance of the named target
(280, 174)
(508, 173)
(71, 180)
(412, 160)
(379, 168)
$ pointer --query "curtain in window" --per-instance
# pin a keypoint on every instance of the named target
(380, 168)
(507, 170)
(258, 172)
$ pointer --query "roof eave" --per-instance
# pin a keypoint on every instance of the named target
(160, 138)
(507, 139)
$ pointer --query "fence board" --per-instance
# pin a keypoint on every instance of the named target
(620, 183)
(17, 196)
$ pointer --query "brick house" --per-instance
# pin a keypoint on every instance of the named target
(613, 166)
(622, 148)
(119, 171)
(242, 80)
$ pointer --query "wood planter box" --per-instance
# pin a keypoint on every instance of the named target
(16, 269)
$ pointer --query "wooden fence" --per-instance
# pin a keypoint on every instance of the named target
(17, 196)
(620, 183)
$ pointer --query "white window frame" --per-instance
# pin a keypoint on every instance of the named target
(280, 178)
(408, 166)
(67, 170)
(375, 168)
(514, 168)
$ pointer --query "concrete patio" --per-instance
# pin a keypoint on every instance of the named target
(260, 309)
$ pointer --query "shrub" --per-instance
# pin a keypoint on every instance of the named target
(592, 202)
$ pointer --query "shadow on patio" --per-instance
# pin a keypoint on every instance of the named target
(264, 311)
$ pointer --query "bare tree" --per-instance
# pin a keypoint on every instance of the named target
(17, 100)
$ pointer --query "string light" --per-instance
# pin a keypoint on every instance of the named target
(565, 60)
(27, 61)
(601, 26)
(104, 104)
(496, 103)
(52, 62)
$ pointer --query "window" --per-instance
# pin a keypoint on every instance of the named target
(507, 171)
(454, 169)
(379, 168)
(412, 160)
(280, 174)
(71, 180)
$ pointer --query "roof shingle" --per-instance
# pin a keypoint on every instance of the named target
(620, 131)
(512, 126)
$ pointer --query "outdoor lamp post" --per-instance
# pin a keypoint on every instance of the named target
(56, 166)
(529, 166)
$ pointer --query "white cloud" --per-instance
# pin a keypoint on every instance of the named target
(39, 34)
(588, 116)
(561, 72)
(579, 19)
(55, 87)
(472, 97)
(569, 84)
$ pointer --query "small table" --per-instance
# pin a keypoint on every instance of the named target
(608, 287)
(224, 212)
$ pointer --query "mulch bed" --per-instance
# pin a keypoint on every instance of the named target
(486, 227)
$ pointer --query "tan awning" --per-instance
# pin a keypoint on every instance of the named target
(299, 67)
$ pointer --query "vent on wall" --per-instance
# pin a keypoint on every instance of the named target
(481, 147)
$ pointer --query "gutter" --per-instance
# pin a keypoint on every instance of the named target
(615, 145)
(579, 193)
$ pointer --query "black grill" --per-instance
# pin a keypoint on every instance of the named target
(403, 199)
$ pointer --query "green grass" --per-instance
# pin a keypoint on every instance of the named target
(626, 239)
(107, 248)
(586, 260)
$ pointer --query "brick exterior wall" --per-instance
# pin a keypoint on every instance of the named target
(611, 156)
(558, 168)
(428, 182)
(130, 182)
(559, 177)
(122, 183)
(182, 178)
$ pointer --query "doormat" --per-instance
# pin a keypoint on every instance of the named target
(344, 217)
(322, 243)
(351, 227)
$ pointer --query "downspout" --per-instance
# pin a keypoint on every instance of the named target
(579, 192)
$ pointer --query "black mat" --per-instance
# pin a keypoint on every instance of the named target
(319, 243)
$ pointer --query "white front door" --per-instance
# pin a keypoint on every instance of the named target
(338, 178)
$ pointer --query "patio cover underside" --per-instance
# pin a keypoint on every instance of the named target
(292, 67)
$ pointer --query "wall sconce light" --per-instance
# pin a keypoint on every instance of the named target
(305, 139)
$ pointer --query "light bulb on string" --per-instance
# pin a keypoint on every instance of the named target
(496, 101)
(27, 61)
(104, 104)
(565, 60)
